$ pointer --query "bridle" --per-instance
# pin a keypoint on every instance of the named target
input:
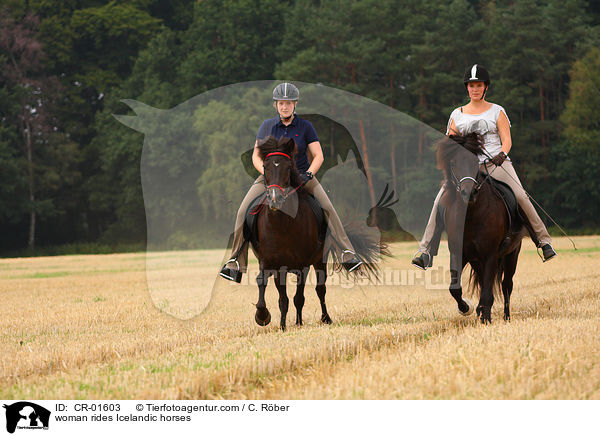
(458, 182)
(286, 191)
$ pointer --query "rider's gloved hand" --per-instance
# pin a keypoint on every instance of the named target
(499, 159)
(306, 176)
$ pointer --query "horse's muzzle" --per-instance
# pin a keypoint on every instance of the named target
(465, 190)
(275, 198)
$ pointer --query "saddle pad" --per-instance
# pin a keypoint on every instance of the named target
(250, 216)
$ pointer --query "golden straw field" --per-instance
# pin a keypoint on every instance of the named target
(75, 327)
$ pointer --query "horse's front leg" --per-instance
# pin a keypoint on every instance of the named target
(284, 301)
(262, 315)
(299, 297)
(465, 307)
(455, 224)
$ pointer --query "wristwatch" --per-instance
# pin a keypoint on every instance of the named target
(310, 175)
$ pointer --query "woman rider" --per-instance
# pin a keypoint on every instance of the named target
(288, 124)
(491, 121)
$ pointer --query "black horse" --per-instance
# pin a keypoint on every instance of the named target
(480, 231)
(292, 242)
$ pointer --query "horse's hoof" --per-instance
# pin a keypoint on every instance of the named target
(262, 317)
(470, 308)
(325, 319)
(485, 314)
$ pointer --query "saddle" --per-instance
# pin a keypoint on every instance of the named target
(251, 215)
(516, 217)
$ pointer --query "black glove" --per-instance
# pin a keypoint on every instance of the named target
(306, 176)
(499, 159)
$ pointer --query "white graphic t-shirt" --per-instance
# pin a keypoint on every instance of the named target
(485, 124)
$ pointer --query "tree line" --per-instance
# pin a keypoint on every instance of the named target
(70, 173)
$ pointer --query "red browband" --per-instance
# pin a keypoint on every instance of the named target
(278, 153)
(276, 186)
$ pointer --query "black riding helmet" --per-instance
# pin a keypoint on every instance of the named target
(286, 91)
(477, 73)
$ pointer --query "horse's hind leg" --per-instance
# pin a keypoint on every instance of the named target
(299, 297)
(284, 301)
(262, 315)
(321, 271)
(510, 266)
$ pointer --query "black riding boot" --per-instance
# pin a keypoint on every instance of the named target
(548, 252)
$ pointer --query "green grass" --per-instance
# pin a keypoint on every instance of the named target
(46, 275)
(76, 249)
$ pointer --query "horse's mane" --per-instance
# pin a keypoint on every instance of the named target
(449, 146)
(284, 145)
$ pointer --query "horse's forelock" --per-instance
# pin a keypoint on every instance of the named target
(270, 145)
(473, 142)
(283, 145)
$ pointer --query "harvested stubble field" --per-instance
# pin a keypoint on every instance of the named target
(75, 327)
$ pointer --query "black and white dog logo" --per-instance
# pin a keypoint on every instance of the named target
(26, 415)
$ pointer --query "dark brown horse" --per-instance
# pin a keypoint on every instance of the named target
(477, 223)
(288, 238)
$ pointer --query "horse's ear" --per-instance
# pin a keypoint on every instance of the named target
(266, 145)
(268, 141)
(289, 145)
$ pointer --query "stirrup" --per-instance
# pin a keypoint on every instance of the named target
(353, 263)
(420, 262)
(235, 275)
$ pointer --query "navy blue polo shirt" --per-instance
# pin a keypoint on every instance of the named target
(302, 131)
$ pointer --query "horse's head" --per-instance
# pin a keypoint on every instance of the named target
(281, 175)
(457, 157)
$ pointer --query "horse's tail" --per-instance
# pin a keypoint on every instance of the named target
(475, 280)
(368, 246)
